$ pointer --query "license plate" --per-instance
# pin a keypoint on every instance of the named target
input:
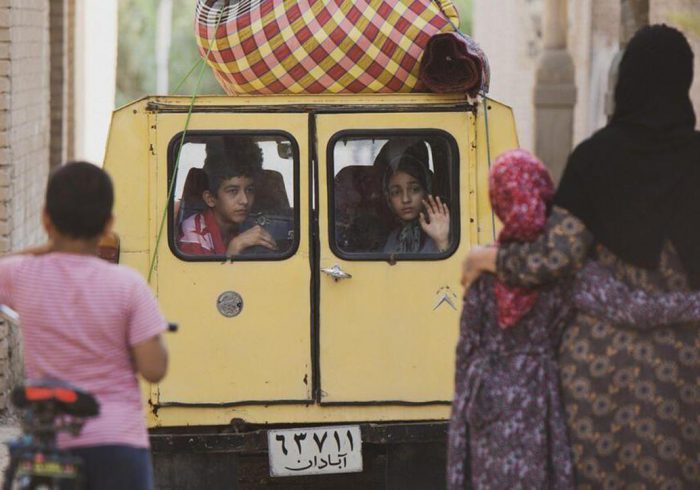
(315, 450)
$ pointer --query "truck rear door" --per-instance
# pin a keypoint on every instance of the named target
(388, 320)
(244, 325)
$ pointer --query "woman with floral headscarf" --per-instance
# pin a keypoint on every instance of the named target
(507, 428)
(629, 198)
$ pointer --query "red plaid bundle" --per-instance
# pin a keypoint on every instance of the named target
(315, 46)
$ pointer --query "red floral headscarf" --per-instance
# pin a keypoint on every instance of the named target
(521, 190)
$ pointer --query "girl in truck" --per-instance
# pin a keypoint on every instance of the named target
(424, 220)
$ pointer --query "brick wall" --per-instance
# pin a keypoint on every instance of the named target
(10, 360)
(59, 57)
(24, 139)
(25, 163)
(69, 72)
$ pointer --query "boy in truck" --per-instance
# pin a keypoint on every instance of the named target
(89, 323)
(232, 167)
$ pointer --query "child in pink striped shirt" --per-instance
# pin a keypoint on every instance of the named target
(90, 323)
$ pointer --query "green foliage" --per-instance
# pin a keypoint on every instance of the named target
(184, 53)
(136, 50)
(136, 55)
(465, 8)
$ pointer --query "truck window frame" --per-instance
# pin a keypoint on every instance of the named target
(454, 205)
(173, 147)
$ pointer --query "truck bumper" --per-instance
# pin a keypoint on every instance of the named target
(396, 456)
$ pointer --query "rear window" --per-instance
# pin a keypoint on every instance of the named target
(394, 195)
(235, 196)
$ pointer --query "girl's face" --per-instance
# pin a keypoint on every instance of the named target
(406, 195)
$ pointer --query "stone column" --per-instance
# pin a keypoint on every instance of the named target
(555, 91)
(24, 146)
(634, 14)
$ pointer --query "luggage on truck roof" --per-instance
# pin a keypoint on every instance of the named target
(340, 46)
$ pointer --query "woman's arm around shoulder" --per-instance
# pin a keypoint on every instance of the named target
(559, 252)
(598, 293)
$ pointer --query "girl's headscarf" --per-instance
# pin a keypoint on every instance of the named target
(409, 162)
(410, 238)
(521, 191)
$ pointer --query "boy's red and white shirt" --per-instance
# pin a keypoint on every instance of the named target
(200, 235)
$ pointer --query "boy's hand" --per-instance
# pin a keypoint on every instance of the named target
(256, 235)
(151, 359)
(439, 227)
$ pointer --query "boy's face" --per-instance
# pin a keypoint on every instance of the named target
(233, 200)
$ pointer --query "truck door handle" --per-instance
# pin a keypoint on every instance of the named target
(336, 273)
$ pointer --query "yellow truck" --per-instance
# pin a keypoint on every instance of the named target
(328, 362)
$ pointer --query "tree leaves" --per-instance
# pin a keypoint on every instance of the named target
(136, 69)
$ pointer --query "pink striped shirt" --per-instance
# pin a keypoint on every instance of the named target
(79, 317)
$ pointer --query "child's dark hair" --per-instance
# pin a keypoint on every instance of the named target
(229, 157)
(79, 199)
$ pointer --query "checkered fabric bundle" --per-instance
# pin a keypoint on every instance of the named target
(319, 46)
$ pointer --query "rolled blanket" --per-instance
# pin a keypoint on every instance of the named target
(454, 62)
(319, 46)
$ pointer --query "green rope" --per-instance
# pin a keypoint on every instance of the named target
(486, 124)
(171, 187)
(189, 73)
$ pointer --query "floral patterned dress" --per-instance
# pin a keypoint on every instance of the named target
(631, 392)
(507, 429)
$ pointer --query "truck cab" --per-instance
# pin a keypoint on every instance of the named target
(330, 329)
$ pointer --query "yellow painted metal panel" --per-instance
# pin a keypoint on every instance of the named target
(312, 99)
(295, 414)
(264, 353)
(126, 160)
(495, 133)
(135, 260)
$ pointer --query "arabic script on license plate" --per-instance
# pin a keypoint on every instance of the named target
(315, 450)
